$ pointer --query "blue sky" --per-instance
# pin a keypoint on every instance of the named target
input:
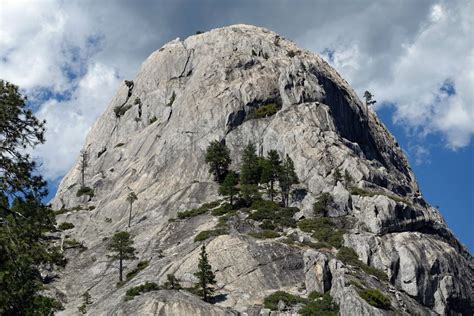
(416, 57)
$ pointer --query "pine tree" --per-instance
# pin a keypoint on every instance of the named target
(229, 186)
(205, 276)
(218, 158)
(172, 282)
(132, 197)
(271, 168)
(250, 169)
(287, 178)
(24, 220)
(122, 248)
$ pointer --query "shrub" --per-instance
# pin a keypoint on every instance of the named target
(171, 101)
(291, 53)
(85, 191)
(140, 266)
(265, 110)
(320, 304)
(193, 212)
(271, 301)
(324, 230)
(205, 234)
(364, 192)
(66, 226)
(120, 110)
(321, 204)
(264, 234)
(137, 290)
(375, 298)
(222, 210)
(153, 120)
(119, 145)
(272, 214)
(172, 283)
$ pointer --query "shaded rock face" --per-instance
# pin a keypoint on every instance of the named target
(152, 140)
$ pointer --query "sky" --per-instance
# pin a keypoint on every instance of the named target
(416, 57)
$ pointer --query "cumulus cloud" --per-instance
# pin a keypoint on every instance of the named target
(68, 56)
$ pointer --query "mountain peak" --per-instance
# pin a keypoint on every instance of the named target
(237, 85)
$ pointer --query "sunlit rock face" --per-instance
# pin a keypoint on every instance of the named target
(152, 140)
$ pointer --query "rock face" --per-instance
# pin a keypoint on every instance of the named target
(152, 140)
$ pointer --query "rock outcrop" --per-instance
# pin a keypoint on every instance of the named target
(152, 140)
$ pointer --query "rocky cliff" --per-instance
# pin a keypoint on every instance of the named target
(152, 140)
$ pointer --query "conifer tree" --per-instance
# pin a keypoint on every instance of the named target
(172, 282)
(287, 178)
(271, 168)
(205, 276)
(249, 169)
(218, 158)
(122, 248)
(132, 197)
(24, 220)
(229, 186)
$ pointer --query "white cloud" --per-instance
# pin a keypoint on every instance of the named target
(69, 121)
(402, 51)
(411, 76)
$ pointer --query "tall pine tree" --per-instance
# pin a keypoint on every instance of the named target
(205, 276)
(218, 158)
(270, 169)
(250, 169)
(229, 186)
(122, 248)
(24, 220)
(287, 178)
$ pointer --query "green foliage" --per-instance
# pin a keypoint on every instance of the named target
(218, 158)
(287, 178)
(350, 257)
(272, 213)
(153, 120)
(347, 177)
(263, 111)
(121, 110)
(66, 226)
(250, 169)
(324, 230)
(193, 212)
(172, 99)
(140, 266)
(229, 186)
(119, 145)
(315, 304)
(320, 304)
(270, 169)
(131, 198)
(199, 32)
(291, 53)
(367, 193)
(137, 101)
(321, 204)
(250, 193)
(143, 288)
(271, 301)
(172, 283)
(206, 277)
(205, 234)
(265, 234)
(85, 191)
(121, 247)
(86, 300)
(362, 192)
(375, 298)
(222, 210)
(337, 175)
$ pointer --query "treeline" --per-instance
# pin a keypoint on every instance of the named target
(276, 175)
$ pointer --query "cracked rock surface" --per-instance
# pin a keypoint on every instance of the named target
(194, 91)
